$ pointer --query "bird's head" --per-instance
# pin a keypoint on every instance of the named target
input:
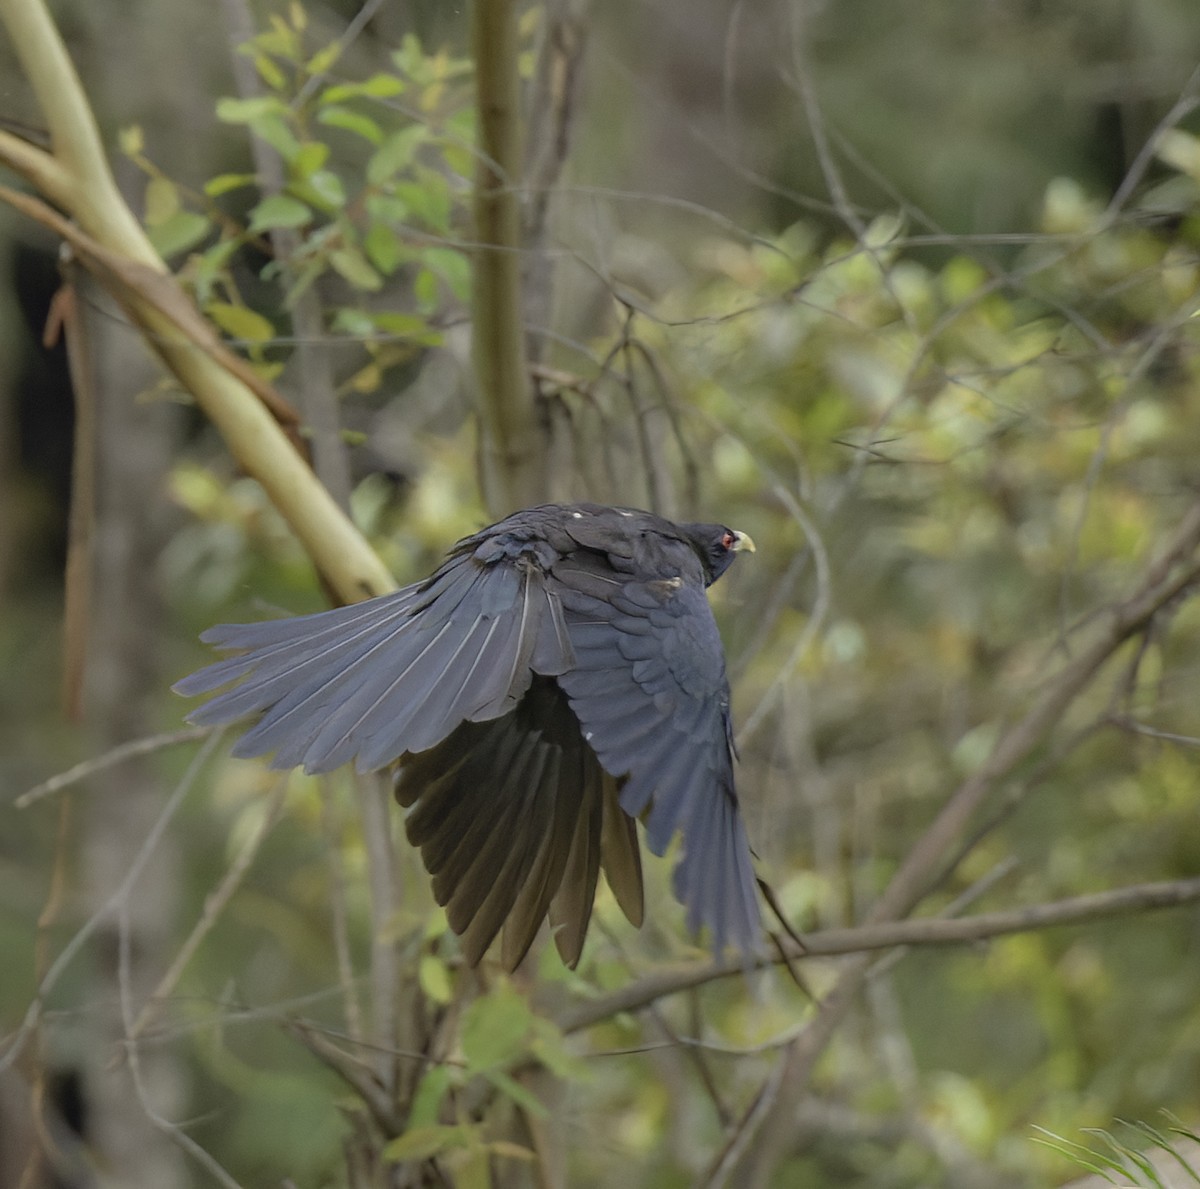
(716, 546)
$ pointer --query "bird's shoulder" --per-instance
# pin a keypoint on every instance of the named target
(617, 543)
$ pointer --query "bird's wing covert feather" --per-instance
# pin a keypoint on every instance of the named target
(395, 674)
(650, 691)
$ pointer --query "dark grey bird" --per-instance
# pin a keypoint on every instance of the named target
(557, 679)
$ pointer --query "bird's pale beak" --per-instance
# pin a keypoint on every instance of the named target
(742, 543)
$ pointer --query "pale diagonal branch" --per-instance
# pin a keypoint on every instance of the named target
(77, 178)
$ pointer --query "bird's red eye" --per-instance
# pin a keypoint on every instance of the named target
(727, 540)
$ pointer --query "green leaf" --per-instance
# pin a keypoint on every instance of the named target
(495, 1029)
(162, 200)
(432, 972)
(429, 199)
(409, 57)
(324, 58)
(210, 265)
(281, 41)
(378, 86)
(425, 290)
(387, 208)
(431, 1091)
(303, 282)
(244, 111)
(343, 117)
(458, 157)
(275, 131)
(405, 326)
(352, 265)
(550, 1047)
(396, 152)
(420, 1143)
(453, 267)
(1181, 151)
(513, 1089)
(269, 72)
(224, 182)
(131, 140)
(279, 210)
(361, 326)
(324, 189)
(474, 1169)
(311, 155)
(182, 231)
(383, 248)
(240, 322)
(367, 379)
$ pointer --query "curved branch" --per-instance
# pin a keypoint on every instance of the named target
(938, 931)
(91, 193)
(36, 166)
(114, 247)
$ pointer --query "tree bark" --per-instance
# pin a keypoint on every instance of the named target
(124, 684)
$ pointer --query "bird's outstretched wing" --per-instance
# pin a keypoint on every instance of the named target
(515, 818)
(396, 674)
(651, 695)
(559, 676)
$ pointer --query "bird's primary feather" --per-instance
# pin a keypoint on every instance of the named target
(558, 677)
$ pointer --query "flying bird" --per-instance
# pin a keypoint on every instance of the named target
(557, 679)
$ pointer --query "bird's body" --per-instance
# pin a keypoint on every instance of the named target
(559, 676)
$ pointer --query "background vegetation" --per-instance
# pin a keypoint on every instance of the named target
(908, 293)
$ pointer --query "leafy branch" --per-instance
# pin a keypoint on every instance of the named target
(75, 176)
(755, 1144)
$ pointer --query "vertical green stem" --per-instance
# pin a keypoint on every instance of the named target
(512, 451)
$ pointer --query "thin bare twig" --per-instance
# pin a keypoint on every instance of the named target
(117, 755)
(359, 1076)
(172, 1130)
(214, 905)
(816, 618)
(374, 807)
(551, 113)
(340, 913)
(113, 904)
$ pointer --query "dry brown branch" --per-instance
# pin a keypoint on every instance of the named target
(64, 320)
(866, 939)
(355, 1073)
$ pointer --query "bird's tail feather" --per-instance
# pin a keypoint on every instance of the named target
(514, 818)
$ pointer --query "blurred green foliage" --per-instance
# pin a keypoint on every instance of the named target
(374, 178)
(949, 459)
